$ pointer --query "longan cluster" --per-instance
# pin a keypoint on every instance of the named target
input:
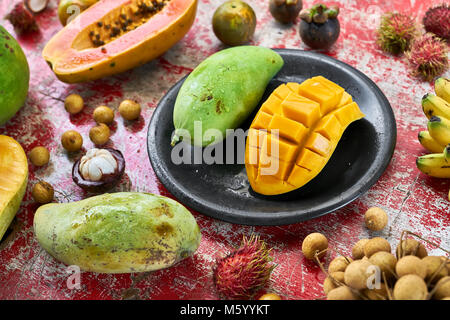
(374, 273)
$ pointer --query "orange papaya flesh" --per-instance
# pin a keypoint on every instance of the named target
(113, 36)
(295, 133)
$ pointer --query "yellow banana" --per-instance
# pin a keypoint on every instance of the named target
(434, 165)
(429, 143)
(439, 129)
(442, 88)
(433, 105)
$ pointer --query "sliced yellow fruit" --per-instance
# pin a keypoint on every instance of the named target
(13, 180)
(295, 133)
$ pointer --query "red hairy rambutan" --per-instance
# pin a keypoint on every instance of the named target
(428, 57)
(245, 270)
(437, 21)
(396, 32)
(22, 19)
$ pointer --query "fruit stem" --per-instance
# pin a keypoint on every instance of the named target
(427, 241)
(175, 139)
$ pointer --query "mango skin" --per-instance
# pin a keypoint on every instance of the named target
(224, 90)
(118, 233)
(14, 76)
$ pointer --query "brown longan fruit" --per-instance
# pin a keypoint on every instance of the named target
(39, 156)
(356, 274)
(130, 110)
(358, 249)
(411, 265)
(71, 141)
(313, 243)
(376, 294)
(339, 264)
(442, 288)
(386, 262)
(447, 263)
(410, 287)
(329, 284)
(342, 293)
(99, 134)
(375, 245)
(103, 114)
(435, 270)
(74, 104)
(42, 192)
(270, 296)
(376, 219)
(411, 247)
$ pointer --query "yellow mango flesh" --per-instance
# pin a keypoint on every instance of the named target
(13, 180)
(295, 133)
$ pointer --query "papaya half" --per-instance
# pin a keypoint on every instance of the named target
(295, 133)
(113, 36)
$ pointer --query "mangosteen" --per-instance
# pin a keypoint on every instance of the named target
(285, 11)
(319, 26)
(99, 170)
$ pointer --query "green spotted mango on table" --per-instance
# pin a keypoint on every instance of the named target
(118, 233)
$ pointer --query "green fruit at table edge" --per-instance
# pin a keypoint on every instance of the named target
(234, 22)
(118, 233)
(14, 76)
(222, 92)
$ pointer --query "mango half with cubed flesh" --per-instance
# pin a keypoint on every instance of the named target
(113, 36)
(13, 180)
(295, 133)
(118, 233)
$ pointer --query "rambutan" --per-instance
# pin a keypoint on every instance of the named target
(437, 21)
(245, 270)
(22, 19)
(428, 57)
(396, 32)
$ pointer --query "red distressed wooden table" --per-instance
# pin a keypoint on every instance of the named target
(413, 201)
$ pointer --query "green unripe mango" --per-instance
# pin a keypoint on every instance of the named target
(118, 233)
(14, 76)
(223, 91)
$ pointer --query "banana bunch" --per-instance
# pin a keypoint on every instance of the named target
(437, 138)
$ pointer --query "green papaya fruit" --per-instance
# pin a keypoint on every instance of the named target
(222, 92)
(118, 233)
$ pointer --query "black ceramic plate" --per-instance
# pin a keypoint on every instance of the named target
(223, 191)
